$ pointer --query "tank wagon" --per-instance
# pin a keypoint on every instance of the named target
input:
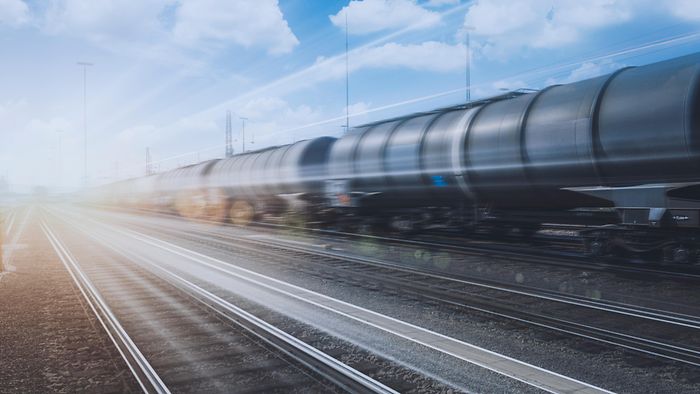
(620, 151)
(184, 190)
(270, 181)
(288, 178)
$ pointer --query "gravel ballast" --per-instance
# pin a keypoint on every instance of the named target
(50, 341)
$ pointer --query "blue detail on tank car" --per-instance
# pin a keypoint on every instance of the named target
(439, 181)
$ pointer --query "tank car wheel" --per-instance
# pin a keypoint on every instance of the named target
(678, 254)
(366, 228)
(186, 204)
(596, 247)
(216, 206)
(403, 224)
(241, 213)
(198, 207)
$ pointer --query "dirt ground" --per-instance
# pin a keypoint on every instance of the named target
(50, 341)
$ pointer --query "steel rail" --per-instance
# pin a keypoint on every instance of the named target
(608, 306)
(145, 375)
(344, 376)
(516, 369)
(631, 342)
(500, 250)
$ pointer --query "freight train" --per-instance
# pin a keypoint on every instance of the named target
(618, 153)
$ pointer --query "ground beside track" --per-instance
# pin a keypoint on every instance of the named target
(49, 340)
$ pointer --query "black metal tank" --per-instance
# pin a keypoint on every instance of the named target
(299, 168)
(635, 126)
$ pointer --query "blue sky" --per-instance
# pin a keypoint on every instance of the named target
(166, 71)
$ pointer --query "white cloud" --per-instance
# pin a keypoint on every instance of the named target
(371, 16)
(440, 3)
(503, 27)
(106, 20)
(359, 112)
(160, 28)
(132, 134)
(587, 70)
(135, 29)
(495, 88)
(260, 107)
(170, 147)
(13, 113)
(32, 157)
(359, 108)
(13, 12)
(685, 9)
(508, 85)
(257, 23)
(270, 120)
(428, 56)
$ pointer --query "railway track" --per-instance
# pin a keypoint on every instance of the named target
(484, 297)
(490, 251)
(458, 293)
(176, 335)
(648, 332)
(544, 250)
(140, 367)
(504, 365)
(539, 251)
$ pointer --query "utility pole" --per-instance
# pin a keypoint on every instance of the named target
(347, 75)
(60, 159)
(243, 132)
(149, 163)
(229, 135)
(85, 65)
(467, 72)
